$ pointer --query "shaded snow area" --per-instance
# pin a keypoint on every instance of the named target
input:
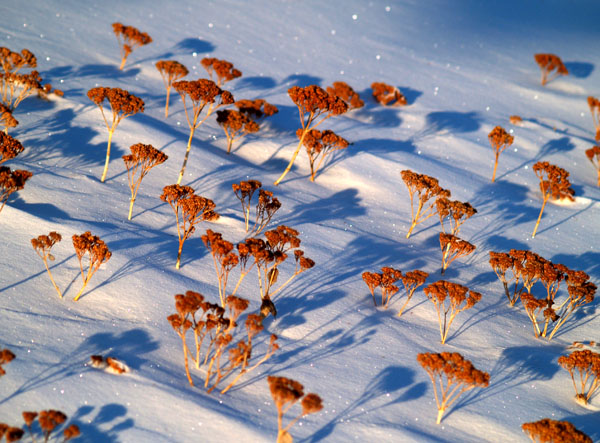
(464, 68)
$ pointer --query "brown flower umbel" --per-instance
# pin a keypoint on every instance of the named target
(593, 155)
(315, 106)
(385, 281)
(189, 209)
(502, 263)
(98, 254)
(346, 93)
(42, 245)
(15, 88)
(318, 145)
(587, 364)
(222, 70)
(426, 188)
(235, 125)
(387, 95)
(13, 61)
(554, 183)
(456, 211)
(6, 356)
(594, 105)
(171, 71)
(122, 104)
(6, 118)
(451, 376)
(10, 433)
(201, 93)
(266, 206)
(11, 181)
(452, 248)
(129, 38)
(138, 164)
(9, 147)
(549, 63)
(450, 299)
(500, 140)
(287, 392)
(547, 430)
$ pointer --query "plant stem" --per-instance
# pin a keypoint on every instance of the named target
(289, 166)
(495, 166)
(439, 416)
(52, 279)
(132, 200)
(110, 134)
(187, 154)
(167, 104)
(539, 217)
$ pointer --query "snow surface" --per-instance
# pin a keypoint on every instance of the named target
(464, 66)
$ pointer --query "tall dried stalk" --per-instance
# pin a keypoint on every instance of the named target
(42, 245)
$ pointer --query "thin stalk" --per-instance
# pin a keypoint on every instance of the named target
(167, 104)
(51, 278)
(185, 359)
(187, 154)
(539, 217)
(110, 134)
(495, 166)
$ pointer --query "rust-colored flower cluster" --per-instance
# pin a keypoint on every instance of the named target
(220, 71)
(452, 248)
(11, 181)
(200, 94)
(587, 364)
(122, 104)
(138, 163)
(450, 299)
(346, 93)
(318, 145)
(266, 206)
(594, 105)
(286, 393)
(427, 190)
(593, 155)
(387, 95)
(386, 281)
(13, 61)
(15, 87)
(42, 245)
(500, 140)
(451, 376)
(547, 430)
(6, 118)
(170, 71)
(214, 327)
(6, 356)
(98, 254)
(515, 120)
(549, 63)
(109, 364)
(129, 38)
(10, 147)
(456, 212)
(554, 183)
(11, 433)
(190, 209)
(315, 105)
(49, 420)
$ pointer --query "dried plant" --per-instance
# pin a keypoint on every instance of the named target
(515, 120)
(122, 104)
(109, 364)
(451, 376)
(129, 38)
(11, 181)
(138, 164)
(500, 140)
(15, 88)
(385, 281)
(6, 356)
(554, 183)
(6, 118)
(318, 144)
(222, 70)
(9, 147)
(425, 188)
(10, 433)
(452, 248)
(42, 245)
(449, 299)
(547, 430)
(594, 105)
(502, 263)
(456, 211)
(265, 208)
(189, 209)
(201, 92)
(286, 393)
(98, 254)
(235, 125)
(170, 71)
(587, 364)
(411, 281)
(315, 106)
(11, 62)
(593, 155)
(547, 64)
(387, 95)
(346, 93)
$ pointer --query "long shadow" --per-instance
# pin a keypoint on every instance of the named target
(453, 122)
(255, 82)
(587, 261)
(579, 69)
(46, 211)
(586, 423)
(105, 424)
(379, 147)
(567, 218)
(106, 71)
(301, 80)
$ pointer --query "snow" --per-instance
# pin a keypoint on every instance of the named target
(464, 67)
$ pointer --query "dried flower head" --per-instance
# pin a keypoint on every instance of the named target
(98, 254)
(594, 105)
(14, 88)
(587, 364)
(515, 120)
(221, 69)
(235, 125)
(387, 95)
(452, 248)
(6, 118)
(593, 155)
(500, 140)
(256, 109)
(554, 431)
(11, 181)
(549, 63)
(318, 144)
(346, 93)
(10, 147)
(6, 356)
(129, 38)
(170, 71)
(458, 212)
(11, 62)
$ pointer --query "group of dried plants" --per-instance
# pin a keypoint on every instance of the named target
(48, 421)
(266, 206)
(386, 282)
(10, 180)
(584, 368)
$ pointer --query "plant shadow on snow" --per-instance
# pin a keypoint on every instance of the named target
(452, 122)
(103, 71)
(128, 346)
(587, 423)
(301, 80)
(255, 82)
(45, 211)
(104, 425)
(579, 69)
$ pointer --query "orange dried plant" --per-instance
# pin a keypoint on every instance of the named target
(346, 93)
(593, 155)
(49, 420)
(266, 206)
(11, 181)
(98, 254)
(549, 63)
(286, 393)
(387, 95)
(222, 70)
(411, 281)
(10, 433)
(235, 125)
(425, 188)
(10, 147)
(456, 211)
(452, 248)
(315, 106)
(138, 164)
(502, 263)
(6, 118)
(554, 183)
(547, 430)
(451, 376)
(189, 209)
(170, 71)
(515, 120)
(14, 87)
(122, 104)
(256, 109)
(129, 38)
(500, 140)
(385, 281)
(6, 356)
(587, 364)
(42, 245)
(594, 105)
(449, 299)
(318, 145)
(201, 93)
(13, 61)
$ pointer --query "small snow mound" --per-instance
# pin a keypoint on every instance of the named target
(578, 203)
(564, 86)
